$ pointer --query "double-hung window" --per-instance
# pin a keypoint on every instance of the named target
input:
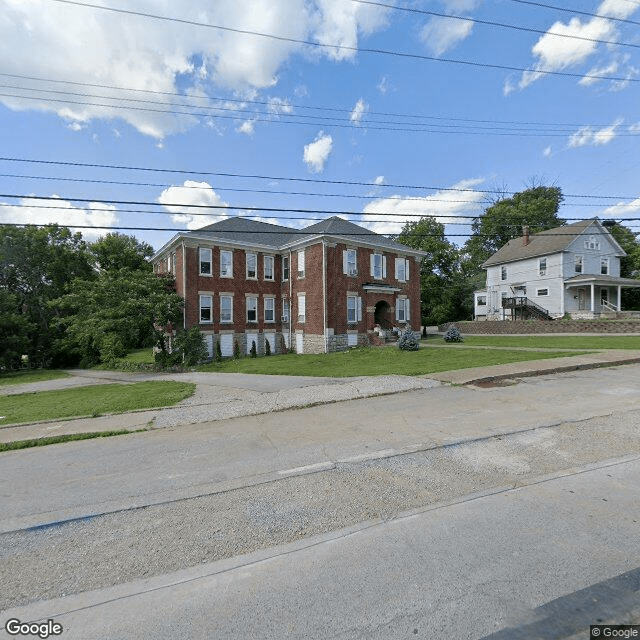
(268, 267)
(402, 269)
(269, 309)
(578, 264)
(205, 262)
(402, 309)
(226, 264)
(350, 264)
(378, 266)
(301, 264)
(503, 273)
(604, 266)
(542, 266)
(354, 309)
(285, 310)
(252, 266)
(285, 268)
(206, 309)
(302, 308)
(226, 309)
(252, 309)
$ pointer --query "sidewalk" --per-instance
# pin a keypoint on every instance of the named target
(222, 396)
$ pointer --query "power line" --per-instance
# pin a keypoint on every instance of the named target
(491, 23)
(574, 11)
(337, 47)
(193, 172)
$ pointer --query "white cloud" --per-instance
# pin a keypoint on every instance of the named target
(76, 126)
(360, 108)
(623, 209)
(442, 34)
(547, 153)
(64, 213)
(379, 180)
(588, 136)
(617, 8)
(634, 128)
(383, 85)
(317, 152)
(605, 70)
(277, 106)
(193, 193)
(247, 127)
(160, 56)
(439, 204)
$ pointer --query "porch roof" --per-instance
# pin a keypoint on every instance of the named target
(601, 280)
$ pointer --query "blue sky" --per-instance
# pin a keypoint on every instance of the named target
(348, 126)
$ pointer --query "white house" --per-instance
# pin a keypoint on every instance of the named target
(572, 269)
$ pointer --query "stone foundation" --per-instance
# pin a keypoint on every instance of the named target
(491, 327)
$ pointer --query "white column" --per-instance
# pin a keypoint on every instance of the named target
(619, 307)
(593, 308)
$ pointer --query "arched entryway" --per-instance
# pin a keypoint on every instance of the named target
(382, 314)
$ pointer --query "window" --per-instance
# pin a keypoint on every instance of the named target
(205, 262)
(349, 262)
(378, 266)
(402, 269)
(481, 301)
(206, 309)
(226, 264)
(354, 309)
(285, 310)
(503, 273)
(252, 266)
(578, 264)
(301, 264)
(542, 266)
(226, 309)
(252, 309)
(269, 309)
(302, 308)
(402, 310)
(268, 267)
(172, 263)
(285, 268)
(604, 266)
(542, 292)
(592, 243)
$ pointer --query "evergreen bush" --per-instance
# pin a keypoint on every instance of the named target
(452, 334)
(253, 351)
(267, 348)
(218, 351)
(236, 350)
(408, 340)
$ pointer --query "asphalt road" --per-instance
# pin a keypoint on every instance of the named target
(450, 506)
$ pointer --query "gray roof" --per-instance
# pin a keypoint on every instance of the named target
(544, 243)
(596, 278)
(250, 232)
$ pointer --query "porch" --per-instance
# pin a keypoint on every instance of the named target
(592, 296)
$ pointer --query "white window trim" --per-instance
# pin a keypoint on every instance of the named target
(273, 309)
(503, 273)
(301, 263)
(350, 267)
(402, 264)
(267, 259)
(201, 307)
(201, 251)
(230, 297)
(539, 292)
(302, 306)
(288, 269)
(286, 310)
(381, 268)
(222, 253)
(604, 262)
(542, 266)
(357, 309)
(255, 309)
(255, 257)
(578, 260)
(402, 309)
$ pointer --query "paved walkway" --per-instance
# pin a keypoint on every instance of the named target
(220, 396)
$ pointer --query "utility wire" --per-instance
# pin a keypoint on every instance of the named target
(192, 172)
(491, 23)
(574, 11)
(337, 47)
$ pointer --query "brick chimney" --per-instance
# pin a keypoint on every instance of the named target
(525, 235)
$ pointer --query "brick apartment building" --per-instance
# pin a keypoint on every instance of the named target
(322, 288)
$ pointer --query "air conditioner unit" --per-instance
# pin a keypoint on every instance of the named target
(300, 274)
(284, 319)
(353, 272)
(300, 318)
(543, 272)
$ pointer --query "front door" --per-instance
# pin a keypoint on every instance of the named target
(604, 298)
(581, 299)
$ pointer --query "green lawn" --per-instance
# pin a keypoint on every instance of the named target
(376, 361)
(93, 400)
(31, 375)
(549, 342)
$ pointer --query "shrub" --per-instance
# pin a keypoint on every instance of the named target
(218, 351)
(452, 334)
(283, 345)
(253, 351)
(236, 350)
(267, 348)
(192, 346)
(408, 340)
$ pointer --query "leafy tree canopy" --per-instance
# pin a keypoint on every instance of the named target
(120, 251)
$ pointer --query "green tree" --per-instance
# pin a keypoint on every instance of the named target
(536, 207)
(441, 278)
(15, 332)
(117, 251)
(629, 264)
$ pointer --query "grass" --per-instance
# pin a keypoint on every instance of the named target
(92, 400)
(42, 442)
(549, 342)
(31, 375)
(366, 361)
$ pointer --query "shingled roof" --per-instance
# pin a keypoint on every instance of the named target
(543, 243)
(247, 232)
